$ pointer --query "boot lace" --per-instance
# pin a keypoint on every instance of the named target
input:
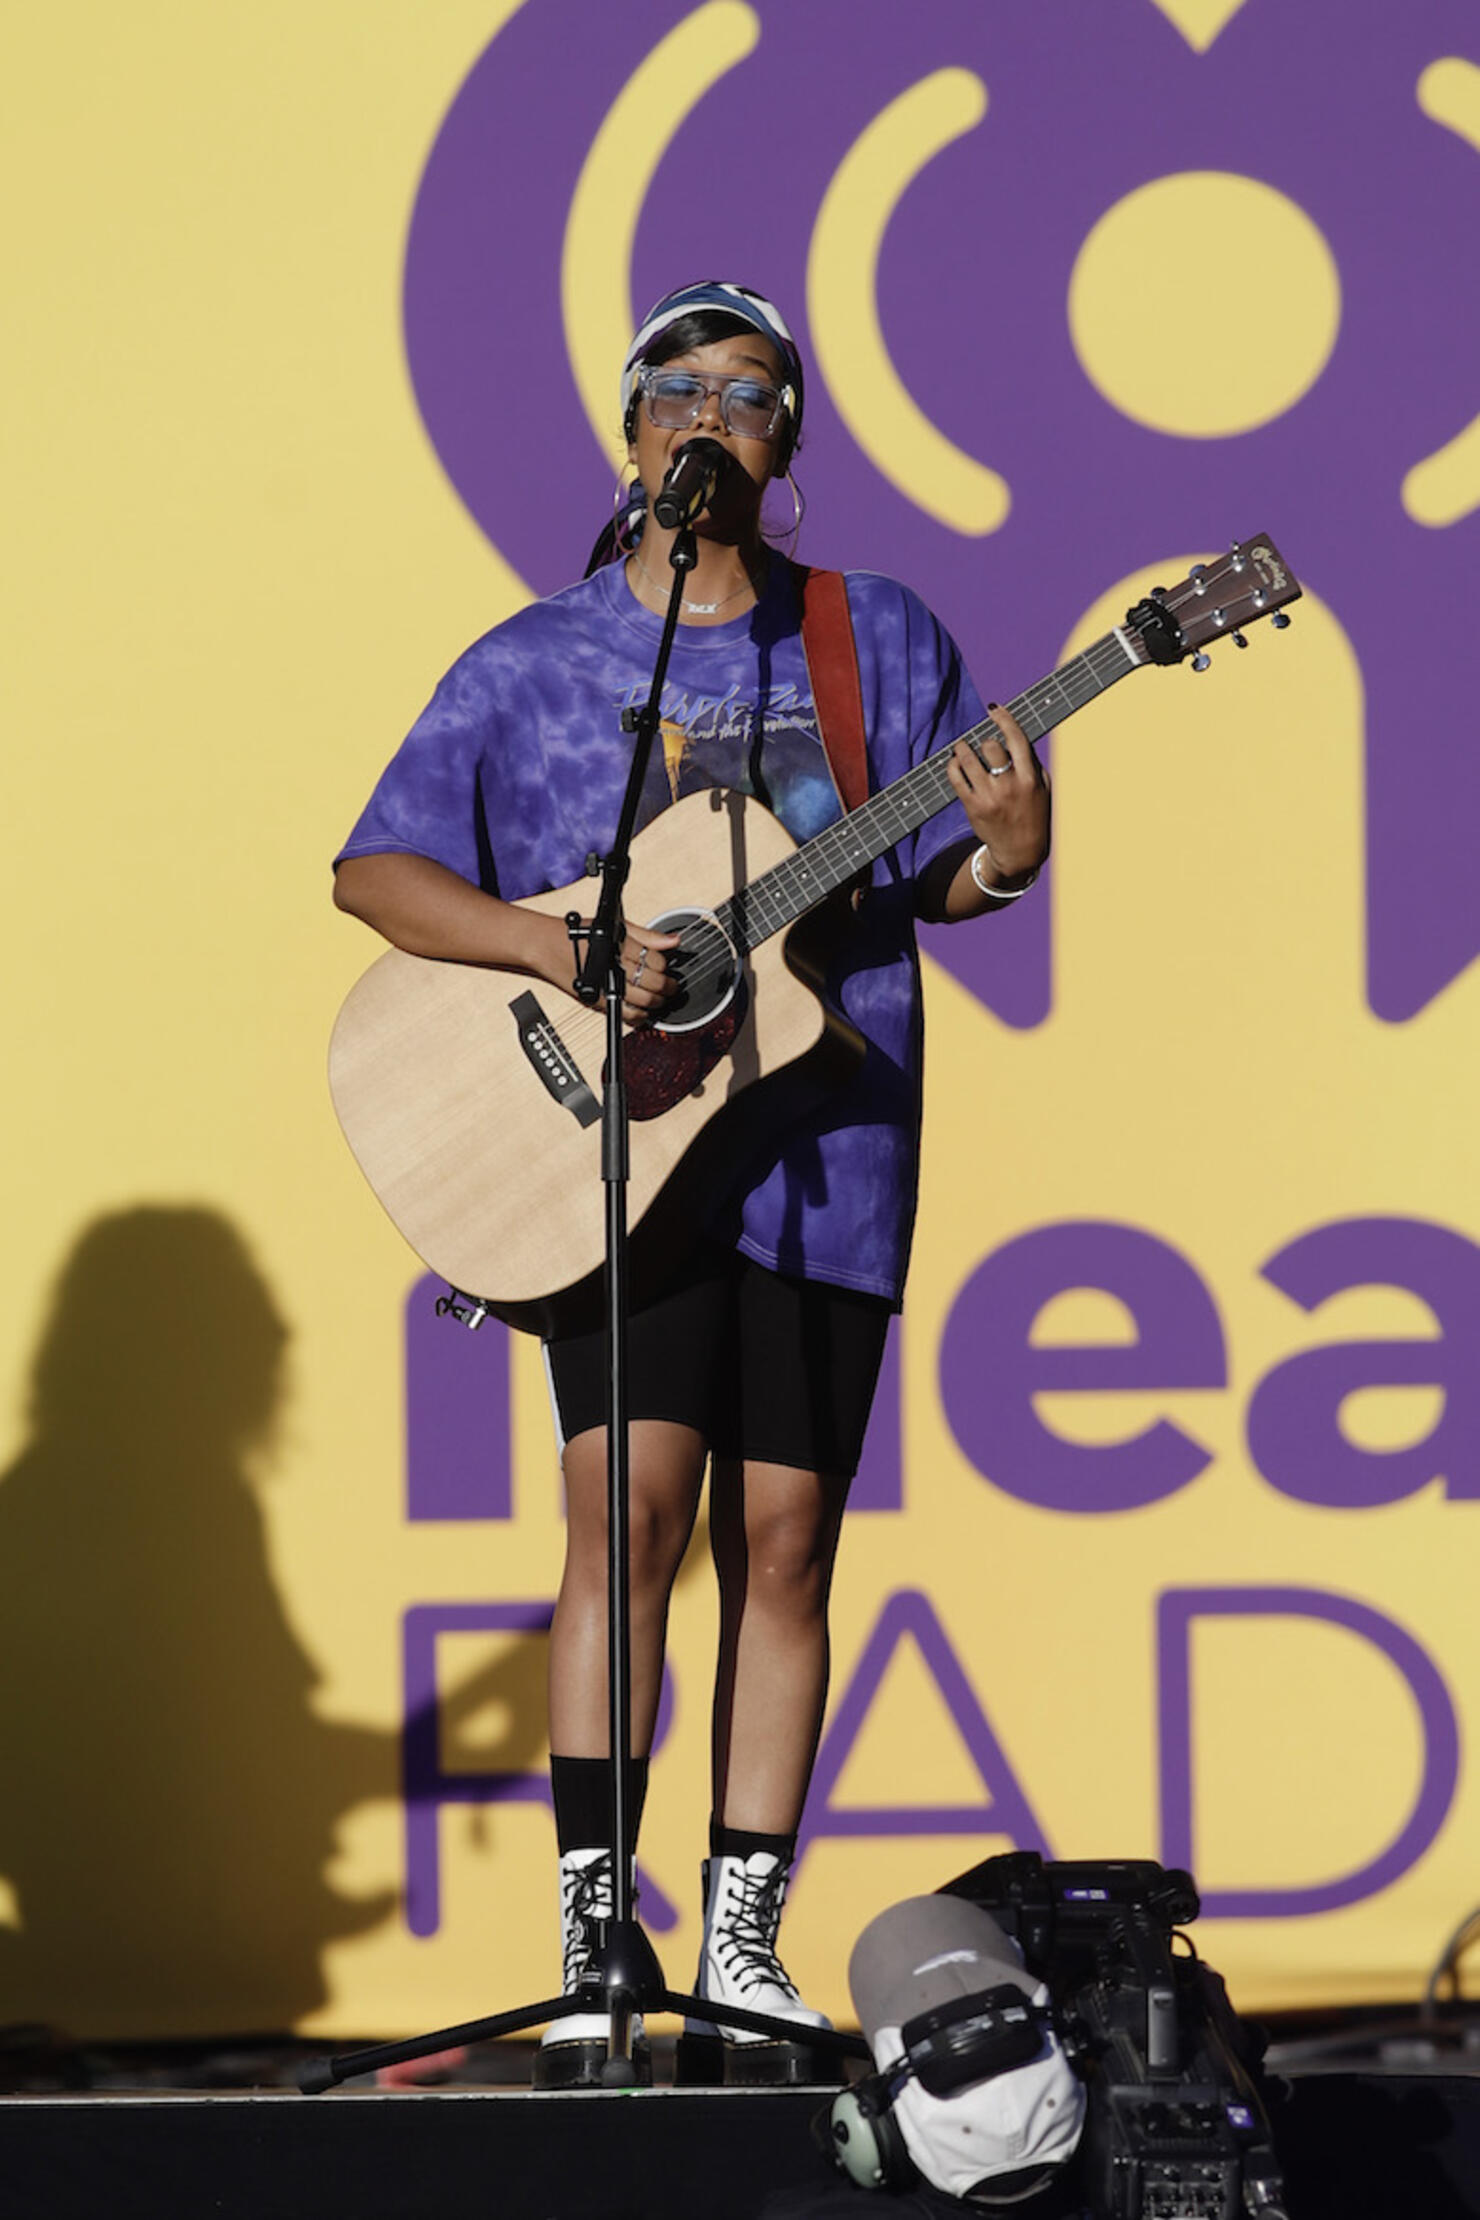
(586, 1896)
(746, 1945)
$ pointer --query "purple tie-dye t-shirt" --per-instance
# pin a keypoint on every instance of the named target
(514, 773)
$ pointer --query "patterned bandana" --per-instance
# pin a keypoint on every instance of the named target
(736, 300)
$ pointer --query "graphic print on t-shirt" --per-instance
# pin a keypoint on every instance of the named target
(711, 740)
(675, 748)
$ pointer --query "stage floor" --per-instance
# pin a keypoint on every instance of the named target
(1357, 2143)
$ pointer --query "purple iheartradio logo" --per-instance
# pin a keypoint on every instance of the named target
(1081, 290)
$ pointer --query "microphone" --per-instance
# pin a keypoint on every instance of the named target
(688, 488)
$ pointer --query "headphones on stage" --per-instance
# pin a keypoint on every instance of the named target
(862, 2138)
(967, 2040)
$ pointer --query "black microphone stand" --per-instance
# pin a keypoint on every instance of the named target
(623, 1977)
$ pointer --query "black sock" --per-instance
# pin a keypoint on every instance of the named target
(581, 1790)
(740, 1842)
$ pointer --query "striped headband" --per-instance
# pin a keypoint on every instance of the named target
(734, 300)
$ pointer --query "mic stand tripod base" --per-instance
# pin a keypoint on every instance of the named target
(623, 1979)
(622, 1971)
(631, 1982)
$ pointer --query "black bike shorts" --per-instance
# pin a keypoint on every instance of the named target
(778, 1370)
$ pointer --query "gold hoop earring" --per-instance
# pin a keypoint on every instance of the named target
(798, 511)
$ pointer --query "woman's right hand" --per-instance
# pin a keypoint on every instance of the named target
(650, 984)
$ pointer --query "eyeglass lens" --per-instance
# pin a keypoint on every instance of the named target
(747, 407)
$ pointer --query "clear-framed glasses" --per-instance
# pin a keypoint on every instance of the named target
(748, 407)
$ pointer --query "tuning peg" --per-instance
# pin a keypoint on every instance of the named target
(1238, 639)
(1201, 661)
(1279, 620)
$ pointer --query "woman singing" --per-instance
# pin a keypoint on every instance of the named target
(760, 1360)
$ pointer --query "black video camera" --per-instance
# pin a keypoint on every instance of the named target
(1175, 2127)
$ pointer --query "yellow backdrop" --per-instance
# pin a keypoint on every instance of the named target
(234, 568)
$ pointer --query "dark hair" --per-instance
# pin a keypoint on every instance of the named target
(701, 328)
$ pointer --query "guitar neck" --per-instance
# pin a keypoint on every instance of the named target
(786, 892)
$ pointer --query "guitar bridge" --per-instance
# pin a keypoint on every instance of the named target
(552, 1061)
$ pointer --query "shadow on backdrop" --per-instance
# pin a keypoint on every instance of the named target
(168, 1794)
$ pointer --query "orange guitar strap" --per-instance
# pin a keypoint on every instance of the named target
(832, 665)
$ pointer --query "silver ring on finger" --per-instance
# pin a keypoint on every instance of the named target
(641, 965)
(999, 770)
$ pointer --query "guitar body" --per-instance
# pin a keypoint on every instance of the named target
(470, 1097)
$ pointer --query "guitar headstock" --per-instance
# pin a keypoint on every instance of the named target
(1216, 599)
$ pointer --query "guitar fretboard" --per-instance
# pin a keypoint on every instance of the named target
(789, 889)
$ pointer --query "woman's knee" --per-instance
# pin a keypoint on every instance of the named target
(655, 1546)
(658, 1536)
(662, 1498)
(789, 1549)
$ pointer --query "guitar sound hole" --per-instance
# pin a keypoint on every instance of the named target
(707, 964)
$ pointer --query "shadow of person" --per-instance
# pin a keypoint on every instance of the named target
(168, 1794)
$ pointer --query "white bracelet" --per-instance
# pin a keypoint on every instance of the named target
(999, 893)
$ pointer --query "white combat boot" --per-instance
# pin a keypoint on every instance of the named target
(737, 1959)
(573, 2049)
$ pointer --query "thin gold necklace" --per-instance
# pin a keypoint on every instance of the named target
(699, 608)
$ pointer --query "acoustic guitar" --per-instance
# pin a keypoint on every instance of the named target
(470, 1096)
